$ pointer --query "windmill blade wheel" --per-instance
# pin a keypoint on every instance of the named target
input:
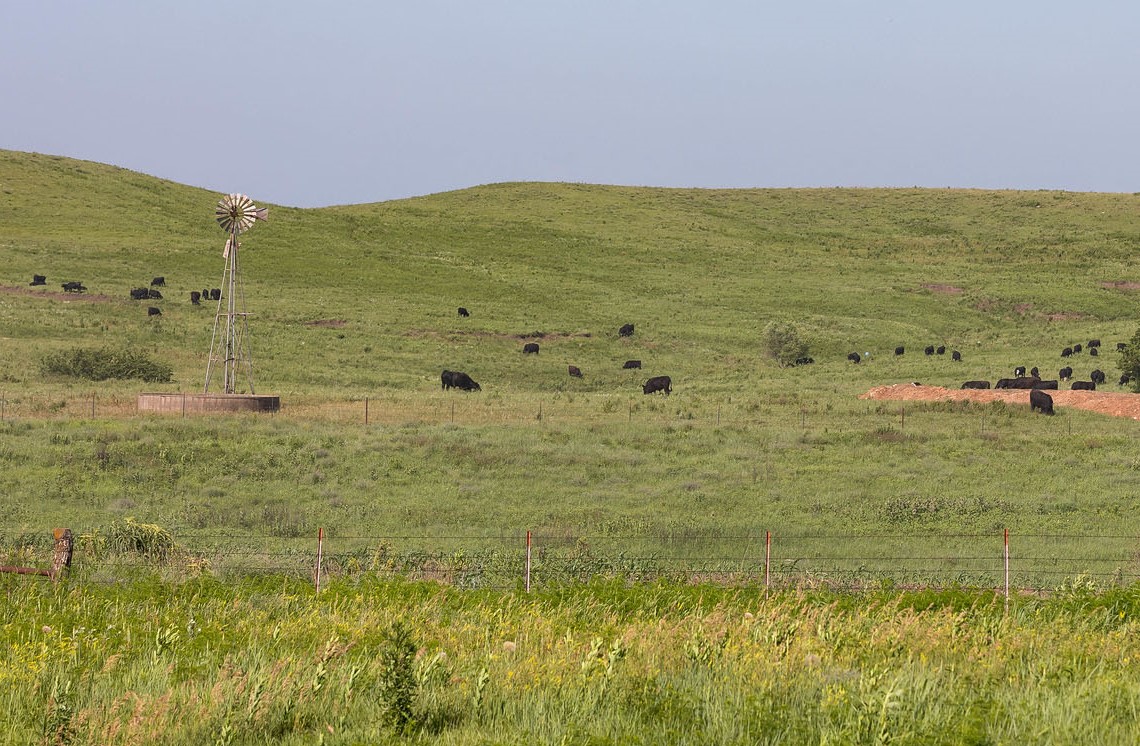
(237, 213)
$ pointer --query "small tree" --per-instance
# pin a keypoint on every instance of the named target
(783, 342)
(1130, 360)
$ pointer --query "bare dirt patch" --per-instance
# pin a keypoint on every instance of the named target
(1120, 285)
(1115, 404)
(36, 292)
(938, 287)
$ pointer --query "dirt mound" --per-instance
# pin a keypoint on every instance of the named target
(1116, 404)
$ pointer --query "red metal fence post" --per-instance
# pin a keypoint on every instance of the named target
(320, 550)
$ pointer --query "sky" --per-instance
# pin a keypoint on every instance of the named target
(310, 104)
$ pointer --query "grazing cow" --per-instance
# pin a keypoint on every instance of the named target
(154, 294)
(1121, 346)
(900, 350)
(1021, 382)
(215, 293)
(1065, 373)
(929, 350)
(854, 357)
(1033, 372)
(1083, 386)
(152, 311)
(1125, 379)
(530, 348)
(38, 280)
(956, 356)
(976, 385)
(205, 293)
(158, 282)
(658, 383)
(941, 350)
(1019, 371)
(626, 330)
(1040, 401)
(1045, 385)
(459, 380)
(73, 287)
(1097, 376)
(140, 293)
(1093, 351)
(631, 364)
(574, 371)
(464, 312)
(804, 361)
(1067, 352)
(195, 297)
(1093, 343)
(1076, 349)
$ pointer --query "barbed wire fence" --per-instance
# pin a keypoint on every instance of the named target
(525, 560)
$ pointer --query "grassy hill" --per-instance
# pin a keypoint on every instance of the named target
(360, 301)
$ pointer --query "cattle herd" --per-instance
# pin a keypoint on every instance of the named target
(451, 379)
(139, 293)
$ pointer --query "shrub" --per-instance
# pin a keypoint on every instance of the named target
(782, 341)
(100, 364)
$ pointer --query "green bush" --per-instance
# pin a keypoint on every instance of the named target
(100, 364)
(783, 342)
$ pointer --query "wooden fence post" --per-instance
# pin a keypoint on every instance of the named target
(1007, 571)
(767, 559)
(320, 550)
(528, 561)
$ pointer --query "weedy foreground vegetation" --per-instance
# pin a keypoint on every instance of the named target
(354, 317)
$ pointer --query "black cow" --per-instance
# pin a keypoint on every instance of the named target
(1121, 346)
(464, 312)
(658, 383)
(1083, 386)
(929, 350)
(1019, 371)
(1034, 372)
(1076, 349)
(941, 350)
(459, 380)
(73, 287)
(900, 350)
(854, 357)
(1068, 351)
(1065, 373)
(976, 385)
(956, 356)
(1052, 385)
(1021, 382)
(574, 371)
(1093, 351)
(215, 294)
(195, 297)
(154, 294)
(152, 311)
(205, 293)
(1125, 379)
(530, 348)
(140, 293)
(1040, 401)
(1097, 377)
(626, 330)
(38, 280)
(631, 364)
(804, 361)
(1093, 343)
(158, 282)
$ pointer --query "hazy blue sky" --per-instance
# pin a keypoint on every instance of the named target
(318, 103)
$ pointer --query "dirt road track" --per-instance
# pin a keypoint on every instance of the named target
(1116, 404)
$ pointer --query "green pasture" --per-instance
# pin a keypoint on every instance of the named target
(354, 316)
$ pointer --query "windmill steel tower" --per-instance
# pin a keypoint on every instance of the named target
(235, 213)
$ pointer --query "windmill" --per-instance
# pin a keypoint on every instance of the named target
(235, 213)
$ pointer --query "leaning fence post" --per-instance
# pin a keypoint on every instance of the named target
(528, 561)
(1007, 571)
(767, 558)
(320, 550)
